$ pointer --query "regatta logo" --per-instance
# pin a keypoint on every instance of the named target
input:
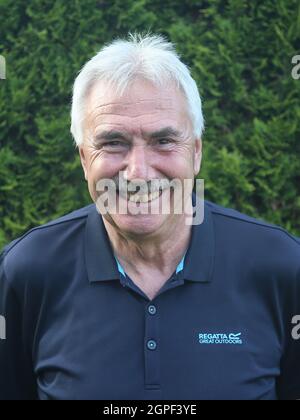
(233, 339)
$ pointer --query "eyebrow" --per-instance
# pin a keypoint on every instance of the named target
(164, 132)
(110, 135)
(114, 134)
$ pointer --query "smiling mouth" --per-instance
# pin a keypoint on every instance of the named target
(141, 198)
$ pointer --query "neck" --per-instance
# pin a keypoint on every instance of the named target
(158, 252)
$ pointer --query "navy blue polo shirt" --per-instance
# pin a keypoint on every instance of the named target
(77, 327)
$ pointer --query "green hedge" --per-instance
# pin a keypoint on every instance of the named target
(240, 55)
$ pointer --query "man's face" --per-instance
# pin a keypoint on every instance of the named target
(146, 134)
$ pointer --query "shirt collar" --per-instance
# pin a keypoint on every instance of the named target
(200, 256)
(179, 268)
(197, 264)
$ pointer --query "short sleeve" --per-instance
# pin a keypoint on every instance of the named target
(16, 375)
(289, 380)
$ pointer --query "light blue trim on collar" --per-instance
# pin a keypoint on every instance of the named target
(180, 265)
(120, 268)
(178, 269)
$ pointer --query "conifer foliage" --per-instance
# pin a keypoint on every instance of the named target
(240, 53)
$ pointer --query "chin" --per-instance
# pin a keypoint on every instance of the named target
(139, 225)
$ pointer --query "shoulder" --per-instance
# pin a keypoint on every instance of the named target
(264, 256)
(41, 246)
(244, 227)
(63, 222)
(270, 250)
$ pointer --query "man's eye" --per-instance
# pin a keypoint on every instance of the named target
(163, 142)
(114, 143)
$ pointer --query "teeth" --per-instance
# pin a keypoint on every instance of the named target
(141, 198)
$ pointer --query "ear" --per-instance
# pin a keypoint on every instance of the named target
(197, 156)
(83, 159)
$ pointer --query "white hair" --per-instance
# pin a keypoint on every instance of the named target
(121, 62)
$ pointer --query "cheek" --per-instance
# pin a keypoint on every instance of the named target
(104, 166)
(100, 169)
(177, 165)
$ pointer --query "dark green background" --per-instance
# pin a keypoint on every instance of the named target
(240, 55)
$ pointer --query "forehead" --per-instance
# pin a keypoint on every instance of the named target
(142, 103)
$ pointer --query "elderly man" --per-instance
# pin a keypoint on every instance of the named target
(140, 304)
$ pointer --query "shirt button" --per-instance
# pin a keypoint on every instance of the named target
(151, 345)
(152, 310)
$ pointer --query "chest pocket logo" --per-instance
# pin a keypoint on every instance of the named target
(220, 338)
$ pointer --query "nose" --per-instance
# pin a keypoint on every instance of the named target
(137, 164)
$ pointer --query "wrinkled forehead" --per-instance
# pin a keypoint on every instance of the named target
(139, 99)
(119, 106)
